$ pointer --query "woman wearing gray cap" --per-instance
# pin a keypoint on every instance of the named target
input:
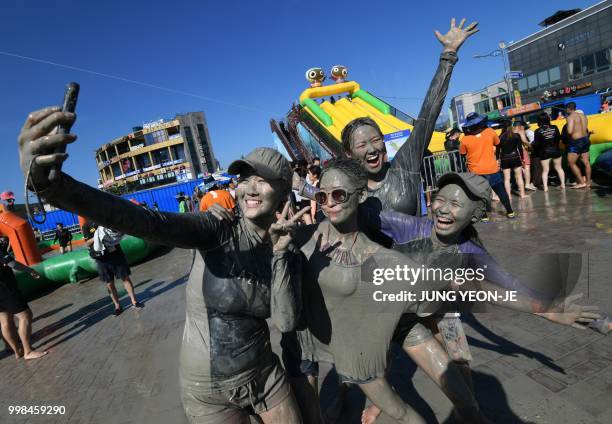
(451, 239)
(243, 273)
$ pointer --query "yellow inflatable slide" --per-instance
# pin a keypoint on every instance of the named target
(358, 103)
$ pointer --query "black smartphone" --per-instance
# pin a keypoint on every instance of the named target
(69, 105)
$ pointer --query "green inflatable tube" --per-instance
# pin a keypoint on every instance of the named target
(74, 266)
(372, 101)
(318, 112)
(597, 149)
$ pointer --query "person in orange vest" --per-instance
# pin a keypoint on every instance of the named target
(216, 195)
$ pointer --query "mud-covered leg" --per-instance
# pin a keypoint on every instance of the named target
(285, 412)
(382, 395)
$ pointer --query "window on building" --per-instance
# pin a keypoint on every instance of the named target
(588, 64)
(602, 59)
(554, 75)
(178, 152)
(543, 79)
(188, 134)
(111, 152)
(483, 107)
(574, 69)
(160, 156)
(202, 133)
(532, 82)
(143, 161)
(160, 136)
(123, 147)
(503, 101)
(522, 84)
(116, 169)
(149, 140)
(192, 152)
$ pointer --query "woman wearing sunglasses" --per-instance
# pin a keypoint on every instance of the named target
(243, 273)
(344, 325)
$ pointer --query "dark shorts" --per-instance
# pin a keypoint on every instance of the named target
(550, 154)
(410, 332)
(113, 265)
(579, 146)
(267, 390)
(11, 299)
(511, 162)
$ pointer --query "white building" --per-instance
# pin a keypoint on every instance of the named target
(487, 101)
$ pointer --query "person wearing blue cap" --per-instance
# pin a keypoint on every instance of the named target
(479, 145)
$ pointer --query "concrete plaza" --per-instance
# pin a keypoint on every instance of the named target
(106, 369)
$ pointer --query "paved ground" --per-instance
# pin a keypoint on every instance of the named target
(105, 369)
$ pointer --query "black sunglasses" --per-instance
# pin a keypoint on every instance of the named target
(338, 195)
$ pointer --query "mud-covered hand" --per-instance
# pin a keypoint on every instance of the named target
(281, 232)
(220, 212)
(570, 313)
(456, 35)
(38, 140)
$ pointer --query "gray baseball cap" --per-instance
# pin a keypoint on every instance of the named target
(478, 186)
(265, 162)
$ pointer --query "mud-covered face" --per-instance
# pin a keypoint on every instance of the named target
(258, 197)
(340, 213)
(452, 210)
(368, 147)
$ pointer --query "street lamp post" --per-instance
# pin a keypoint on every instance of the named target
(501, 52)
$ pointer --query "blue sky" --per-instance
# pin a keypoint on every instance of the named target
(250, 54)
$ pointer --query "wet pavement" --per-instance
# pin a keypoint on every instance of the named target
(106, 369)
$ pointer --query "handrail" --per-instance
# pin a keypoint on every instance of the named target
(329, 90)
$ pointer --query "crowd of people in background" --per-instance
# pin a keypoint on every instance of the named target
(519, 159)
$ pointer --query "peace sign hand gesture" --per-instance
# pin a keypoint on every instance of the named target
(456, 35)
(281, 232)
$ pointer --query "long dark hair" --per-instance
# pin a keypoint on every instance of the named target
(543, 120)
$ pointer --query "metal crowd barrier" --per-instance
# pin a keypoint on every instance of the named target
(438, 164)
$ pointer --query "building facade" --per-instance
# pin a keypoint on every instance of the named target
(569, 57)
(488, 101)
(158, 153)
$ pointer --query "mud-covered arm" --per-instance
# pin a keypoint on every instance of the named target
(286, 289)
(410, 154)
(562, 311)
(42, 151)
(399, 227)
(188, 230)
(480, 260)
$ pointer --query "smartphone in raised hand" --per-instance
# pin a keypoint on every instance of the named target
(71, 96)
